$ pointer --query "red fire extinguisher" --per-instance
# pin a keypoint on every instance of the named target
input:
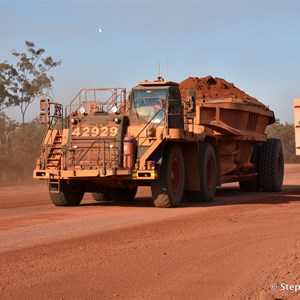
(129, 152)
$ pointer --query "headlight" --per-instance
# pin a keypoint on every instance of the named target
(82, 110)
(114, 109)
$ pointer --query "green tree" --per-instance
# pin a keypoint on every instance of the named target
(28, 80)
(7, 87)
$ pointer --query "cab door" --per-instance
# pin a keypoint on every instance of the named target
(175, 109)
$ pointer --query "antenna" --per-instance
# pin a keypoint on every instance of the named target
(158, 69)
(168, 69)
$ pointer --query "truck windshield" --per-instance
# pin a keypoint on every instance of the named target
(149, 105)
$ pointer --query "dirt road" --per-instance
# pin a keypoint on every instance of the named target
(241, 246)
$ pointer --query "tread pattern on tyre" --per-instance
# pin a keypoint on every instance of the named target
(207, 153)
(271, 165)
(69, 195)
(160, 193)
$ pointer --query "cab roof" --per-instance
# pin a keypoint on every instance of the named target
(159, 82)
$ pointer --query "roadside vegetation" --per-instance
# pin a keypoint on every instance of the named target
(19, 147)
(286, 133)
(21, 83)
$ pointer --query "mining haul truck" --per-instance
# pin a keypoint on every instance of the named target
(108, 143)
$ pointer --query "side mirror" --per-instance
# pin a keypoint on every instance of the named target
(44, 104)
(44, 118)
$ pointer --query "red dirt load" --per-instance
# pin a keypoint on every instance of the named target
(211, 88)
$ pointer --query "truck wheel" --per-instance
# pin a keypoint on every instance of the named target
(253, 185)
(167, 190)
(122, 194)
(70, 194)
(208, 173)
(101, 196)
(271, 166)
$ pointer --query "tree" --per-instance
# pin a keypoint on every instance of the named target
(29, 80)
(7, 88)
(8, 128)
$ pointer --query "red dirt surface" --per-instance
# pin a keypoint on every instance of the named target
(212, 88)
(240, 246)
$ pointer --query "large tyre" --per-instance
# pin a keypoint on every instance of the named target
(101, 196)
(271, 166)
(70, 194)
(208, 173)
(122, 194)
(253, 185)
(167, 190)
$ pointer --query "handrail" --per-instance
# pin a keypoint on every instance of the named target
(87, 150)
(81, 153)
(137, 136)
(117, 98)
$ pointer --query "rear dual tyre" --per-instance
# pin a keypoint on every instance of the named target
(268, 160)
(207, 173)
(271, 166)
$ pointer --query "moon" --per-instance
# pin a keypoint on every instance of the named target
(100, 30)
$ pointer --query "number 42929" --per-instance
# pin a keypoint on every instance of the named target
(95, 131)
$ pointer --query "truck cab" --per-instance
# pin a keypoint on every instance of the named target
(156, 102)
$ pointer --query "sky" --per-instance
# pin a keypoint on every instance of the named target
(253, 44)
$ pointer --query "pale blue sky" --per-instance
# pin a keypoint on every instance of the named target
(254, 44)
